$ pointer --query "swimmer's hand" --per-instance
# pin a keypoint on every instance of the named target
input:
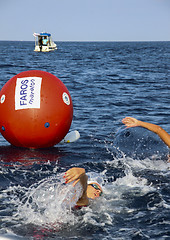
(74, 175)
(131, 122)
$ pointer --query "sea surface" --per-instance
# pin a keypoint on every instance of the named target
(107, 82)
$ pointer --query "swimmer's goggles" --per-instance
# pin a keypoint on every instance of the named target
(96, 187)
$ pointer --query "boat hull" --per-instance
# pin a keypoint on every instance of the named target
(44, 49)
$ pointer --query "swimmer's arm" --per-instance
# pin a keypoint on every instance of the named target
(76, 175)
(133, 122)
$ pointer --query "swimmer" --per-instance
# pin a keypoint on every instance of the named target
(91, 190)
(133, 122)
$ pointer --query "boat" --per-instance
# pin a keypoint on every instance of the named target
(44, 42)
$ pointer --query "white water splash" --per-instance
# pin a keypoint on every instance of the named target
(48, 202)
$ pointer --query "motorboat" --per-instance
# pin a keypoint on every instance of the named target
(44, 42)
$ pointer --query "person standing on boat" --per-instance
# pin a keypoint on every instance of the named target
(45, 41)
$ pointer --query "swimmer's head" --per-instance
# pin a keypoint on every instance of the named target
(94, 190)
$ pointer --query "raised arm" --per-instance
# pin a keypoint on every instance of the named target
(133, 122)
(76, 175)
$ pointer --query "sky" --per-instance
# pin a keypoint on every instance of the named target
(86, 20)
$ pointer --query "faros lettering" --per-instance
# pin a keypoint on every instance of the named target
(23, 92)
(27, 92)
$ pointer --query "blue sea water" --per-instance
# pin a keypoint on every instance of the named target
(107, 81)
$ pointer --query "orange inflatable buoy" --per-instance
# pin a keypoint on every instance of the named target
(36, 110)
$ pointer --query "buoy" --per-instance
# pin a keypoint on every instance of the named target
(36, 110)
